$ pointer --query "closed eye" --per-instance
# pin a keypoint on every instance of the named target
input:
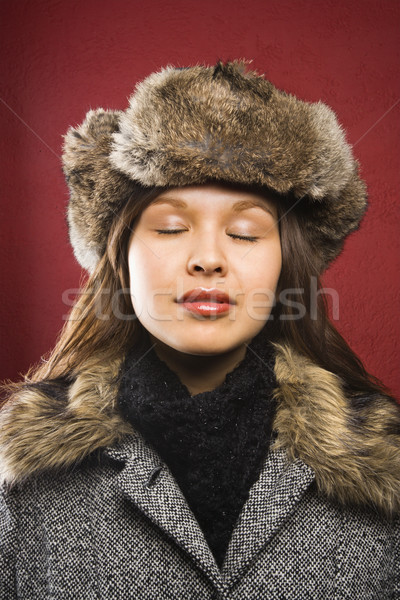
(170, 231)
(246, 238)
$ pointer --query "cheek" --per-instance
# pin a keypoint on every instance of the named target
(143, 271)
(274, 270)
(152, 274)
(262, 269)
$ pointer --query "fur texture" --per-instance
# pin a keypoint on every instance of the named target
(97, 191)
(353, 446)
(189, 126)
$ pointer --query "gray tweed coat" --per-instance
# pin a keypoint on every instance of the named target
(89, 511)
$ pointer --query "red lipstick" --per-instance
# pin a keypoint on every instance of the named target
(206, 301)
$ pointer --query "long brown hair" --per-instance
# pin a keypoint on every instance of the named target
(102, 324)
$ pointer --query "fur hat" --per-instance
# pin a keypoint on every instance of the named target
(223, 123)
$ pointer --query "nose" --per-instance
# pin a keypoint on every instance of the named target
(207, 258)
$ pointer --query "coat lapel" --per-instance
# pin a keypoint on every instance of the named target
(271, 500)
(148, 483)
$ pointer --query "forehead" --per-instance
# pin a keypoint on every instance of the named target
(206, 197)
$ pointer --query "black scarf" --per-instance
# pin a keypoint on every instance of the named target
(215, 442)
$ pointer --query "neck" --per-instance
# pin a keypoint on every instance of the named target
(199, 373)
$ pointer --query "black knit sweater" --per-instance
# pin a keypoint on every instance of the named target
(215, 442)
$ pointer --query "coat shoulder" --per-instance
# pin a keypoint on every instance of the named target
(56, 424)
(351, 443)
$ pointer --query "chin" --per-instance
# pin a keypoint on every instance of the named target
(201, 343)
(207, 348)
(205, 351)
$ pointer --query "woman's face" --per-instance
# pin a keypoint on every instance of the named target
(204, 263)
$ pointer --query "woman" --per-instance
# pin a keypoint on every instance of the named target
(201, 430)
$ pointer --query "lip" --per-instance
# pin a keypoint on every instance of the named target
(206, 301)
(206, 295)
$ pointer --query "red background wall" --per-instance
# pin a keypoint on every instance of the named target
(61, 58)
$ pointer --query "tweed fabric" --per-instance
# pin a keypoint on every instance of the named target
(199, 124)
(214, 442)
(108, 530)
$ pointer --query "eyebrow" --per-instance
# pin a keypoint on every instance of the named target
(237, 207)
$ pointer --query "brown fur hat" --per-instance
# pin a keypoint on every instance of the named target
(223, 123)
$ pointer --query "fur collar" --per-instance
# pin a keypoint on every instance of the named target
(353, 446)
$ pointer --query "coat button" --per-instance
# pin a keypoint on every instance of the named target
(154, 475)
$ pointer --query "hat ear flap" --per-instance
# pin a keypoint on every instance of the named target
(93, 183)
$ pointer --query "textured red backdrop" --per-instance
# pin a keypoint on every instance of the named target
(62, 58)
